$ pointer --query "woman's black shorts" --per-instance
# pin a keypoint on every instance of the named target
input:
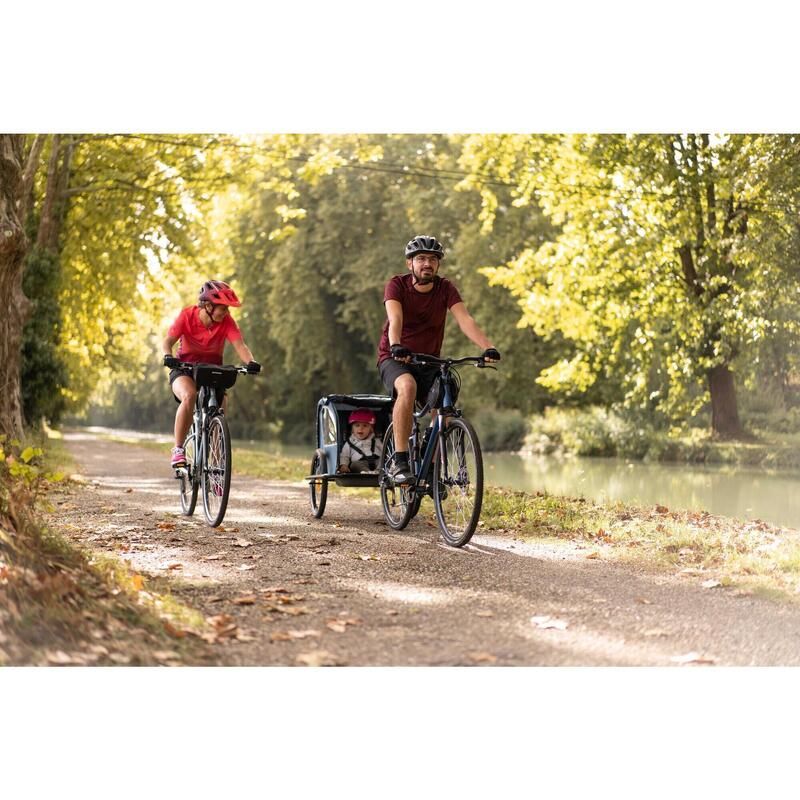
(424, 376)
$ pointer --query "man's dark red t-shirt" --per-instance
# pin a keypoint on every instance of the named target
(201, 345)
(424, 314)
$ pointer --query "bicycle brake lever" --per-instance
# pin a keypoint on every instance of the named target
(480, 365)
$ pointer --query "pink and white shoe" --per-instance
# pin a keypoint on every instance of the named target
(178, 457)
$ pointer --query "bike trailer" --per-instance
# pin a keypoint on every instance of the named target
(332, 430)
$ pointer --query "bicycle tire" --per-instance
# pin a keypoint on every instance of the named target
(318, 491)
(188, 484)
(216, 469)
(397, 501)
(458, 482)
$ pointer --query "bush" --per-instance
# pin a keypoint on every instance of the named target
(500, 429)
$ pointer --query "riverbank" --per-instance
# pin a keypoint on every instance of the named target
(598, 432)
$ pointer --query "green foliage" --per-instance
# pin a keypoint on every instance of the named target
(500, 429)
(43, 374)
(666, 262)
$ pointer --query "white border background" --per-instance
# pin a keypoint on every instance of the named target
(412, 67)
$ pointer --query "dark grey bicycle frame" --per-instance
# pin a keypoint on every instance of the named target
(447, 402)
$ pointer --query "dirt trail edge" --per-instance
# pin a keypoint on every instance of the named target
(348, 590)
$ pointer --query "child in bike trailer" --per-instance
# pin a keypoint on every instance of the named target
(203, 330)
(362, 450)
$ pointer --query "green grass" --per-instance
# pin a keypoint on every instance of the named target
(753, 554)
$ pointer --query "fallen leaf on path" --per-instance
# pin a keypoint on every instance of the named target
(166, 526)
(317, 658)
(484, 613)
(242, 543)
(711, 584)
(245, 567)
(128, 491)
(164, 655)
(392, 612)
(215, 599)
(223, 624)
(286, 636)
(215, 557)
(293, 611)
(243, 636)
(482, 657)
(59, 657)
(656, 632)
(593, 555)
(174, 565)
(138, 582)
(549, 622)
(661, 510)
(644, 601)
(693, 658)
(173, 631)
(249, 600)
(367, 557)
(120, 658)
(340, 625)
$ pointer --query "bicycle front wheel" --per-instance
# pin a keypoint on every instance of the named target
(216, 470)
(458, 482)
(187, 477)
(397, 501)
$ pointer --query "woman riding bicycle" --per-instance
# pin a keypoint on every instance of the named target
(203, 330)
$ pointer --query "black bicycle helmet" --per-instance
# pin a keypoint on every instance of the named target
(424, 244)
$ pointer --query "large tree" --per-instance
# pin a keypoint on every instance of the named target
(657, 274)
(13, 246)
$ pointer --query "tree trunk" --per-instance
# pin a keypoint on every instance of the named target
(48, 234)
(13, 246)
(28, 176)
(724, 411)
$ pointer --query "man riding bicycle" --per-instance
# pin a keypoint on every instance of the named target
(416, 306)
(203, 330)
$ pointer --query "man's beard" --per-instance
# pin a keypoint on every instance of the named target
(424, 280)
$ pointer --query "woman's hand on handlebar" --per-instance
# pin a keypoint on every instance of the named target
(170, 361)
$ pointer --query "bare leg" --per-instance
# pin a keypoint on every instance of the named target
(406, 388)
(184, 389)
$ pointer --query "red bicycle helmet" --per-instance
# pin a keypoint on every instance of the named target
(361, 415)
(218, 292)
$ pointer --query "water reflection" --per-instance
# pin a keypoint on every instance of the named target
(727, 491)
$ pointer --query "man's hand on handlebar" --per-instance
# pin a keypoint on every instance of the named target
(253, 367)
(400, 353)
(491, 355)
(170, 361)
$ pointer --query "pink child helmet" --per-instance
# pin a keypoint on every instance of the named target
(361, 415)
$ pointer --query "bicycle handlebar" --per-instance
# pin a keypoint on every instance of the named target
(192, 364)
(422, 359)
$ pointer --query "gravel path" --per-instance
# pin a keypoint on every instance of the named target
(348, 590)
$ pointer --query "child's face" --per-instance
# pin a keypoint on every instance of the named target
(362, 429)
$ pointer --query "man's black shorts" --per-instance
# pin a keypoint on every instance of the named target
(177, 373)
(424, 376)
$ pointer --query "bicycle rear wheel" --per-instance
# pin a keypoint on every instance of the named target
(187, 483)
(458, 482)
(216, 470)
(318, 487)
(398, 501)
